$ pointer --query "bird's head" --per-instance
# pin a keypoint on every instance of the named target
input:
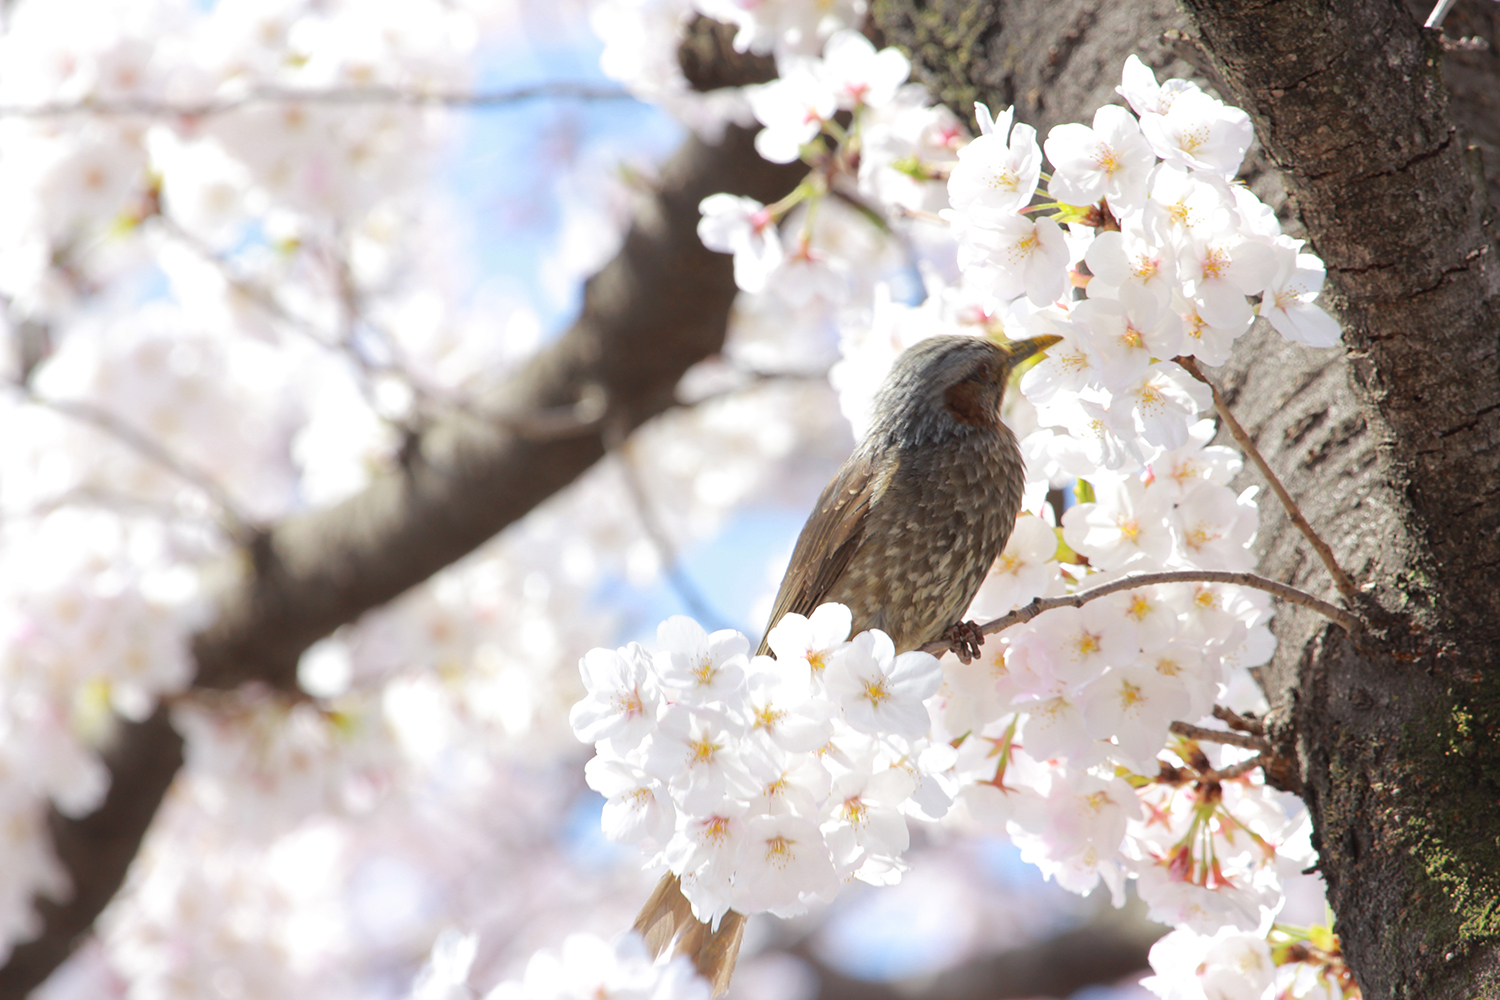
(949, 386)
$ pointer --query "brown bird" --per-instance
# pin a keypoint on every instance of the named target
(903, 535)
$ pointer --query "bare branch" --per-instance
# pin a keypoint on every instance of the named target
(1348, 622)
(677, 579)
(1193, 732)
(231, 519)
(1238, 770)
(153, 107)
(1238, 722)
(1242, 437)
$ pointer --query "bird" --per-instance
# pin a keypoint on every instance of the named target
(903, 536)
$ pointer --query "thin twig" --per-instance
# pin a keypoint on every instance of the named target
(554, 423)
(1193, 732)
(1235, 720)
(1340, 578)
(1237, 770)
(1348, 622)
(678, 580)
(232, 520)
(333, 95)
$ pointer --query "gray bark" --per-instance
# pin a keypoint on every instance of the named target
(1392, 442)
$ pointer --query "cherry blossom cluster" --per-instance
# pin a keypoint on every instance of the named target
(1136, 249)
(1300, 962)
(764, 782)
(585, 968)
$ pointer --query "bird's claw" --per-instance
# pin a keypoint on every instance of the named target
(964, 638)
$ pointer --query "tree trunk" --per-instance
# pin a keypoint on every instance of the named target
(1391, 443)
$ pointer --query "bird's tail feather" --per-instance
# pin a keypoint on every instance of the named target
(667, 921)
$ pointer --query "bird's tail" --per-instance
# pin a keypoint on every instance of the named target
(667, 921)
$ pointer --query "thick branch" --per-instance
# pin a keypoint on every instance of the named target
(96, 850)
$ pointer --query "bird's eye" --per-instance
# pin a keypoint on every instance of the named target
(984, 372)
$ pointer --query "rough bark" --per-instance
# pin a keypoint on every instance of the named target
(1393, 442)
(1396, 737)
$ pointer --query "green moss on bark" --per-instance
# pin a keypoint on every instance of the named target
(947, 43)
(1453, 834)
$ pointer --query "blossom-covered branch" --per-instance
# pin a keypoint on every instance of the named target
(1345, 620)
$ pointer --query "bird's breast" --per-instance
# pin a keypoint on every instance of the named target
(935, 528)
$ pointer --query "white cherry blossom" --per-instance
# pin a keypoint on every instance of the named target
(997, 173)
(793, 109)
(1013, 255)
(880, 691)
(811, 639)
(1200, 132)
(784, 861)
(1110, 160)
(743, 227)
(696, 667)
(1288, 300)
(858, 75)
(623, 697)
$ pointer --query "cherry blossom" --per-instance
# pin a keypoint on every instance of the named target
(997, 173)
(880, 691)
(1110, 160)
(1287, 302)
(858, 74)
(743, 227)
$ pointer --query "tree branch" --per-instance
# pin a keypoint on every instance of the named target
(468, 477)
(1245, 441)
(1348, 622)
(1193, 732)
(339, 96)
(97, 849)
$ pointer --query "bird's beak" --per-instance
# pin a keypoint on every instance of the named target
(1017, 351)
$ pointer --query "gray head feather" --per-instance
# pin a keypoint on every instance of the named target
(911, 405)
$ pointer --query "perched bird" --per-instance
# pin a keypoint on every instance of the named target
(903, 535)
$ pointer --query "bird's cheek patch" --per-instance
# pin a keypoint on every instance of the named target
(970, 403)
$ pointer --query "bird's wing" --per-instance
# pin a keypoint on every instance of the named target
(828, 541)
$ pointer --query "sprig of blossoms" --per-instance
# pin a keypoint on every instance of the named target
(764, 783)
(1137, 249)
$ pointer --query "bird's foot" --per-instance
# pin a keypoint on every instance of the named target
(964, 638)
